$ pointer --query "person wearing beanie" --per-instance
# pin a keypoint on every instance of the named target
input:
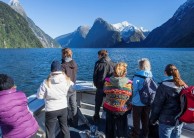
(16, 121)
(54, 91)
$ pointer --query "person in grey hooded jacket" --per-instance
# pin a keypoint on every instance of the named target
(69, 66)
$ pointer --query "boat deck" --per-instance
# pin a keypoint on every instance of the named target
(85, 100)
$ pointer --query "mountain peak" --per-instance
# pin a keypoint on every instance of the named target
(14, 3)
(189, 4)
(99, 20)
(122, 25)
(101, 23)
(83, 30)
(143, 29)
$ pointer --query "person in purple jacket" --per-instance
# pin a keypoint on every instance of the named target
(16, 121)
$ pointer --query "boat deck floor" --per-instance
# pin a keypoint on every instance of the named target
(79, 132)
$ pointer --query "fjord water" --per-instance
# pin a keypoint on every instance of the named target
(29, 67)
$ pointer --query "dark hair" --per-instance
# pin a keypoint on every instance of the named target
(103, 53)
(6, 82)
(171, 70)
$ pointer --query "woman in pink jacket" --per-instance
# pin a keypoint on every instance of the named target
(16, 121)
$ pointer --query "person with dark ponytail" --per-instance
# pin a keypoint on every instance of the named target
(166, 104)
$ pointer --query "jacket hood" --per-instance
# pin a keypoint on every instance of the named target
(168, 81)
(66, 59)
(56, 79)
(119, 81)
(70, 64)
(170, 84)
(145, 73)
(104, 59)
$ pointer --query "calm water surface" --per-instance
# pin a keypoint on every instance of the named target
(29, 67)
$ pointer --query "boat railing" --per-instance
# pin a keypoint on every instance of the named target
(85, 99)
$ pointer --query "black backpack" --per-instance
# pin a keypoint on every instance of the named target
(148, 91)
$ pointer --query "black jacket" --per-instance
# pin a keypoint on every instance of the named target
(103, 68)
(166, 104)
(70, 69)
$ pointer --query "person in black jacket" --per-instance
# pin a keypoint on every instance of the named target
(166, 104)
(103, 68)
(69, 66)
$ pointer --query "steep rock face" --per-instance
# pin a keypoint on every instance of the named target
(79, 37)
(102, 34)
(178, 31)
(64, 40)
(14, 30)
(15, 4)
(45, 39)
(74, 39)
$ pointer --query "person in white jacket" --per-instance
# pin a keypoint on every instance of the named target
(54, 91)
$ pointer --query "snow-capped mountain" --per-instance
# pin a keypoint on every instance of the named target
(131, 33)
(121, 26)
(178, 31)
(103, 34)
(45, 39)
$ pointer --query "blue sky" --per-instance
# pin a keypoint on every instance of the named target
(58, 17)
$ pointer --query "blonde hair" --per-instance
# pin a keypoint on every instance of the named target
(144, 64)
(67, 52)
(48, 80)
(120, 70)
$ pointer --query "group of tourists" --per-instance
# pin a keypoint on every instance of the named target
(121, 97)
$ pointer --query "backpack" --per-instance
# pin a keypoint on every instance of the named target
(187, 105)
(148, 91)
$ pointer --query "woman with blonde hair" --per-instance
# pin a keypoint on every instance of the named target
(54, 91)
(166, 104)
(140, 111)
(118, 92)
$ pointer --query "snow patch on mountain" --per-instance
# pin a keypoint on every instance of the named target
(120, 26)
(14, 2)
(126, 26)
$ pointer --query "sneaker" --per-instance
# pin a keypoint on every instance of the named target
(96, 118)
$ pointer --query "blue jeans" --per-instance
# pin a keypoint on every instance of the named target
(167, 131)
